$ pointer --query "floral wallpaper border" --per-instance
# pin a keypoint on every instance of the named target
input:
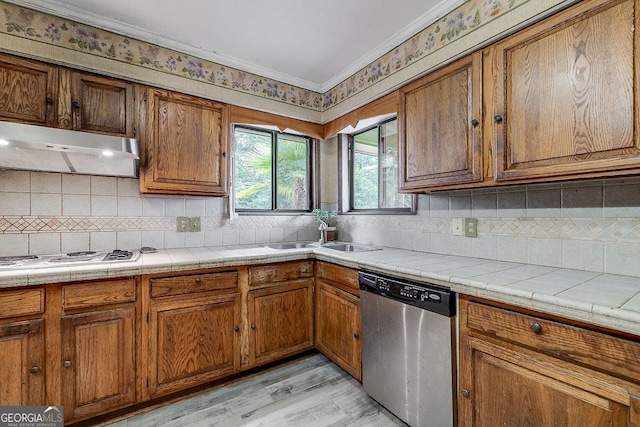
(21, 22)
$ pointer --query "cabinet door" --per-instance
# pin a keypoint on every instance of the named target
(502, 387)
(97, 104)
(186, 145)
(439, 127)
(192, 341)
(565, 94)
(22, 361)
(338, 328)
(28, 91)
(99, 361)
(281, 321)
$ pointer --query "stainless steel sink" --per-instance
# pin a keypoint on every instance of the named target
(288, 245)
(348, 247)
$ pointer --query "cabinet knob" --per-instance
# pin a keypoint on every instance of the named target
(67, 363)
(224, 154)
(34, 370)
(253, 326)
(475, 123)
(465, 393)
(49, 100)
(356, 335)
(237, 329)
(198, 280)
(497, 118)
(536, 328)
(75, 104)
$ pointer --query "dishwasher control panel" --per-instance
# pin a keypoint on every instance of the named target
(427, 296)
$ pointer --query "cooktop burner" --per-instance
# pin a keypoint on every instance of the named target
(72, 258)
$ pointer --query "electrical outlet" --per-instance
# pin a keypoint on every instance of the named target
(182, 224)
(470, 227)
(457, 224)
(194, 224)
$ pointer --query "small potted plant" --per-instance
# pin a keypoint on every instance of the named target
(328, 219)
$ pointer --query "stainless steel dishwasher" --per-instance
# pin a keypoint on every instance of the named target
(408, 348)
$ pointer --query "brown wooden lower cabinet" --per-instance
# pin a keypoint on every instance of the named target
(281, 321)
(512, 373)
(192, 341)
(99, 357)
(338, 327)
(22, 362)
(338, 316)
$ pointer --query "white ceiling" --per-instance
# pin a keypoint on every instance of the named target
(311, 44)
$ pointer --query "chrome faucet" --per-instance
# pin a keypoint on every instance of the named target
(323, 232)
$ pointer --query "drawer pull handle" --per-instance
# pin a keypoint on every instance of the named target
(67, 363)
(536, 328)
(465, 392)
(34, 370)
(197, 280)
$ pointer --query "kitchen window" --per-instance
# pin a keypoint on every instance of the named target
(272, 171)
(373, 167)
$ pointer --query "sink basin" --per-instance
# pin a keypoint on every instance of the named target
(288, 245)
(348, 247)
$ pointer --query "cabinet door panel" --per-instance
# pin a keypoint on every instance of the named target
(440, 137)
(186, 144)
(28, 91)
(281, 320)
(21, 349)
(99, 354)
(192, 342)
(565, 91)
(338, 327)
(102, 105)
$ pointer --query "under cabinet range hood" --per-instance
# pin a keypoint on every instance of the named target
(38, 148)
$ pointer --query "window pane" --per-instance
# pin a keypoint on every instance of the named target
(292, 174)
(389, 196)
(253, 166)
(365, 170)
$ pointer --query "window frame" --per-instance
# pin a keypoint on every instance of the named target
(350, 151)
(312, 159)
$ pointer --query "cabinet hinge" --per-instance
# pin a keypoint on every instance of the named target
(147, 317)
(135, 131)
(313, 289)
(147, 382)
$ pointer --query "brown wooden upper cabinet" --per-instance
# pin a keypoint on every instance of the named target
(562, 95)
(28, 91)
(186, 141)
(439, 128)
(41, 94)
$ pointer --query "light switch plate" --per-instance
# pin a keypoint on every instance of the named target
(457, 224)
(195, 224)
(182, 224)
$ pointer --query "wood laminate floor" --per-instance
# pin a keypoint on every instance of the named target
(312, 392)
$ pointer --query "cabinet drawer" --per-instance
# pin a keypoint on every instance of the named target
(181, 285)
(21, 303)
(346, 278)
(98, 293)
(616, 355)
(274, 273)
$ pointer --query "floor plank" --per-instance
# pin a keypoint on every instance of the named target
(312, 392)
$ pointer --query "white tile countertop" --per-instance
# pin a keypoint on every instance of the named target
(607, 300)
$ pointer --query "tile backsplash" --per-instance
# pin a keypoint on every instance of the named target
(46, 213)
(590, 225)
